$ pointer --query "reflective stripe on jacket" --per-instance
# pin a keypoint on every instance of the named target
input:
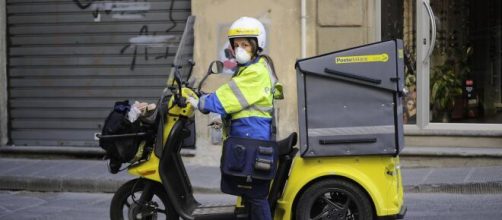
(247, 99)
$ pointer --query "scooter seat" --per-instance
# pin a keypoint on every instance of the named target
(285, 145)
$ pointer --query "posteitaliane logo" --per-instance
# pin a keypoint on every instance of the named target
(370, 58)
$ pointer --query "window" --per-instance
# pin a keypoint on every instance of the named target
(464, 69)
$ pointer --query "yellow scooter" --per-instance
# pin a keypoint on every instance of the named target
(346, 172)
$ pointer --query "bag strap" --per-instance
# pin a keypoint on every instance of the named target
(273, 80)
(271, 68)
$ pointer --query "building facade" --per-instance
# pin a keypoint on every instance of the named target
(453, 56)
(452, 49)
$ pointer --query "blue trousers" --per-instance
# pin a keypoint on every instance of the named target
(259, 209)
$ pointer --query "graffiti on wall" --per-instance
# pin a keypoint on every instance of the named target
(134, 10)
(117, 9)
(83, 4)
(145, 40)
(121, 10)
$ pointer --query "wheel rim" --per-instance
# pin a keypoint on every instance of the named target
(152, 210)
(334, 203)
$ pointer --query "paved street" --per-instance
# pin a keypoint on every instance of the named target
(442, 206)
(23, 205)
(17, 205)
(77, 189)
(35, 205)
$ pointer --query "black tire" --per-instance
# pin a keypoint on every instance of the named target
(334, 199)
(123, 205)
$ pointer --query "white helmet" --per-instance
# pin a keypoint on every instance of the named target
(249, 27)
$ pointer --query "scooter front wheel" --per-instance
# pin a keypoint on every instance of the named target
(131, 201)
(334, 199)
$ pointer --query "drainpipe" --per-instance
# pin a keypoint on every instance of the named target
(303, 28)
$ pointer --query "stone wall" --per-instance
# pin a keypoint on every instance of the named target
(282, 21)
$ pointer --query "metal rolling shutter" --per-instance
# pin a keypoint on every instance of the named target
(69, 61)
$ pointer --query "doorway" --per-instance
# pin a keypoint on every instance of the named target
(453, 58)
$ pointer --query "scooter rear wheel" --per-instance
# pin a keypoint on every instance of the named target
(125, 204)
(334, 199)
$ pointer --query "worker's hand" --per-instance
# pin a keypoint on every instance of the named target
(216, 122)
(193, 101)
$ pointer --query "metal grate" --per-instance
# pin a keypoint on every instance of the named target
(69, 61)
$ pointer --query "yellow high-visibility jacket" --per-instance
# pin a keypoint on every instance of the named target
(246, 99)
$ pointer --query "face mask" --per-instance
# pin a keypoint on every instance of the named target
(242, 56)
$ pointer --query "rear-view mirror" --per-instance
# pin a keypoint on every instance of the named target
(216, 67)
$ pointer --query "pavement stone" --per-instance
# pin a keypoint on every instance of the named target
(493, 152)
(455, 175)
(488, 174)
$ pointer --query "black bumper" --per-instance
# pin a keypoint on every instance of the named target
(402, 212)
